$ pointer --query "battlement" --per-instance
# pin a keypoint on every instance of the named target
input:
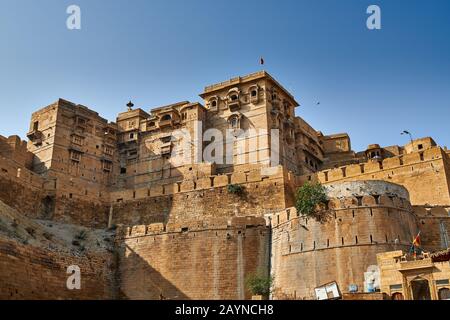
(14, 142)
(409, 170)
(244, 79)
(387, 164)
(358, 225)
(234, 223)
(335, 205)
(368, 229)
(15, 149)
(10, 170)
(432, 212)
(216, 181)
(371, 195)
(185, 230)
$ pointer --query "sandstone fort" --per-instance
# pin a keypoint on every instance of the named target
(120, 200)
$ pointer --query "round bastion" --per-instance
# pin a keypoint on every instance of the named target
(364, 218)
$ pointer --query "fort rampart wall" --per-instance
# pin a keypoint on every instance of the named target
(28, 272)
(209, 261)
(190, 201)
(425, 175)
(308, 254)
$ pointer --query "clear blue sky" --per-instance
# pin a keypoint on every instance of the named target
(371, 84)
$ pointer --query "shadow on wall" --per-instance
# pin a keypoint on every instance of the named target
(203, 263)
(143, 282)
(34, 273)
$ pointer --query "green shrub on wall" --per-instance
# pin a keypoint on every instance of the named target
(259, 284)
(235, 189)
(311, 201)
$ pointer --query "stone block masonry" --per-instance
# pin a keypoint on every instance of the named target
(27, 272)
(34, 257)
(182, 208)
(180, 231)
(370, 217)
(197, 263)
(424, 174)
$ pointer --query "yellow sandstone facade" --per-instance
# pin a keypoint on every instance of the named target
(152, 193)
(425, 277)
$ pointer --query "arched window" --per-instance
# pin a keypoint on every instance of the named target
(397, 296)
(254, 93)
(233, 95)
(444, 294)
(213, 103)
(166, 117)
(234, 122)
(234, 102)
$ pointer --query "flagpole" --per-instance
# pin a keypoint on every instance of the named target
(414, 244)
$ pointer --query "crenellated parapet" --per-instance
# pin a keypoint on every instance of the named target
(215, 181)
(15, 172)
(364, 217)
(410, 170)
(375, 167)
(208, 261)
(238, 224)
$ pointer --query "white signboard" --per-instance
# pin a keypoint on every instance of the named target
(372, 279)
(328, 291)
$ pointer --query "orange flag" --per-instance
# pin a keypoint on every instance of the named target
(416, 241)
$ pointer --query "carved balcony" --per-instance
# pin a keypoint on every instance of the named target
(35, 136)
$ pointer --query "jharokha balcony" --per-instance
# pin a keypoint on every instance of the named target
(409, 262)
(35, 136)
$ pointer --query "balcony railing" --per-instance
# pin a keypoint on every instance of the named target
(166, 123)
(416, 264)
(35, 136)
(166, 148)
(234, 105)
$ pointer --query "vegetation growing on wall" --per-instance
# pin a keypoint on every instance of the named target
(235, 189)
(311, 201)
(259, 284)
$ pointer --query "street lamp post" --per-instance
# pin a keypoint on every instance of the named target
(410, 137)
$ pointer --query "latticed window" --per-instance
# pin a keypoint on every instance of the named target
(107, 166)
(75, 156)
(108, 151)
(77, 140)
